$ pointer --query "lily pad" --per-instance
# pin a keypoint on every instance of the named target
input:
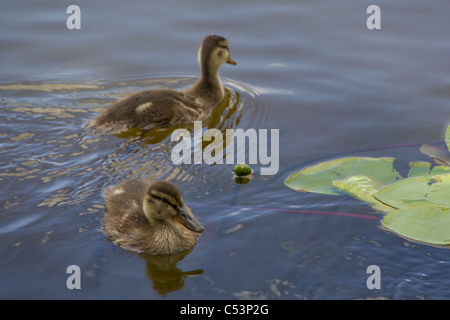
(417, 191)
(417, 207)
(419, 168)
(424, 169)
(425, 224)
(437, 170)
(319, 178)
(363, 188)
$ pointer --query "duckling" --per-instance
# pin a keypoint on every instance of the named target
(150, 217)
(161, 107)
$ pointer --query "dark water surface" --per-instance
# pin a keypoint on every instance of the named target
(311, 69)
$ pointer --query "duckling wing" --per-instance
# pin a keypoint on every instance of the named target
(168, 107)
(151, 108)
(123, 203)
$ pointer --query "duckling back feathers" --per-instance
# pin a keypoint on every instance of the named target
(148, 109)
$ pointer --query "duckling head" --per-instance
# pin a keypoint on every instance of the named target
(212, 53)
(163, 204)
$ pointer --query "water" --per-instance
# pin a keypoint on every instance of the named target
(310, 69)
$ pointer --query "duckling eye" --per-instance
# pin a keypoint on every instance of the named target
(184, 215)
(167, 202)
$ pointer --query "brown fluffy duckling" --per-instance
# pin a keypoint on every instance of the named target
(150, 218)
(160, 107)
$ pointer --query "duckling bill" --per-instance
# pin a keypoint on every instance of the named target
(150, 217)
(156, 108)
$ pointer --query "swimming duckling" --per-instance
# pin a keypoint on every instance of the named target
(150, 218)
(155, 108)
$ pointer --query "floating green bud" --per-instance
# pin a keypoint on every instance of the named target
(242, 170)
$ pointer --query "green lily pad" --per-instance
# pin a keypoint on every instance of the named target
(319, 178)
(425, 224)
(419, 168)
(437, 170)
(417, 191)
(424, 213)
(417, 207)
(363, 188)
(424, 169)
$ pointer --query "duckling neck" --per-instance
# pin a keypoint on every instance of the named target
(209, 87)
(168, 238)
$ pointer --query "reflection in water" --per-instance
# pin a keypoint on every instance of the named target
(164, 273)
(241, 180)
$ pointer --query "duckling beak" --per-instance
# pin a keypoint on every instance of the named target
(231, 61)
(184, 216)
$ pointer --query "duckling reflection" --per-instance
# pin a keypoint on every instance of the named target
(156, 108)
(150, 217)
(164, 273)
